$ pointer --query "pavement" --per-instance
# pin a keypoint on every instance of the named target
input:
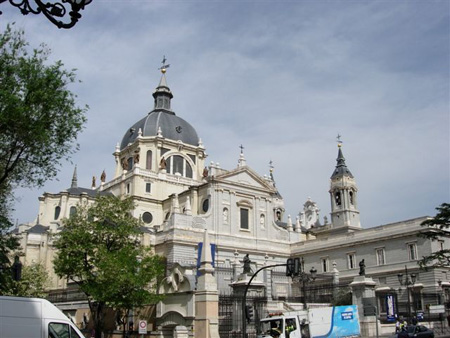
(438, 333)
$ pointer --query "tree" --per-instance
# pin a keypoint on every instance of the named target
(39, 118)
(39, 122)
(99, 250)
(33, 282)
(437, 228)
(9, 244)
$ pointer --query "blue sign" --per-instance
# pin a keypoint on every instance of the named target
(347, 315)
(344, 323)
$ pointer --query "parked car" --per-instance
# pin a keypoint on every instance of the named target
(419, 331)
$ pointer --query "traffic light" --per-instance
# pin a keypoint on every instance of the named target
(249, 313)
(293, 267)
(290, 267)
(296, 266)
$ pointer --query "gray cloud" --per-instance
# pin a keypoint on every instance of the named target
(280, 77)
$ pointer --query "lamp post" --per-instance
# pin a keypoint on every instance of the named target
(293, 270)
(68, 10)
(244, 299)
(444, 300)
(305, 278)
(409, 281)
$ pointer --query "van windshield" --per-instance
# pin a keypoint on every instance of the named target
(61, 330)
(273, 327)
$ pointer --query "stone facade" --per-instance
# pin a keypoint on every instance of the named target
(178, 197)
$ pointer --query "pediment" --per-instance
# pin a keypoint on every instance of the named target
(245, 177)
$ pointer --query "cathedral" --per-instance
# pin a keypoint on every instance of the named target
(161, 164)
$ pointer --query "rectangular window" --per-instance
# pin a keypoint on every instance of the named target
(244, 218)
(380, 256)
(148, 187)
(128, 188)
(441, 245)
(351, 260)
(325, 264)
(412, 251)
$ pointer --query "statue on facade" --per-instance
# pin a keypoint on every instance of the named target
(205, 172)
(362, 268)
(162, 163)
(247, 268)
(124, 164)
(103, 177)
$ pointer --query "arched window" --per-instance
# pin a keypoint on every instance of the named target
(148, 160)
(178, 164)
(57, 212)
(73, 211)
(337, 196)
(352, 200)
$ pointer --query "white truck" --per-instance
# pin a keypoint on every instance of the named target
(330, 322)
(34, 318)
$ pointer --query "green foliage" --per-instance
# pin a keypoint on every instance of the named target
(33, 283)
(437, 228)
(39, 119)
(98, 249)
(39, 122)
(343, 297)
(9, 244)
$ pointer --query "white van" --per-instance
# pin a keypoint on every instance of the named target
(34, 318)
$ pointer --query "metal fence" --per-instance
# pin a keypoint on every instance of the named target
(231, 315)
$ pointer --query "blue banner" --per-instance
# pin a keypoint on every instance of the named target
(199, 255)
(390, 308)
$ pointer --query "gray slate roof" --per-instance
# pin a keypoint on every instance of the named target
(89, 192)
(341, 168)
(172, 127)
(38, 229)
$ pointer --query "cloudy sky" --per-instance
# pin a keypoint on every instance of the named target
(282, 78)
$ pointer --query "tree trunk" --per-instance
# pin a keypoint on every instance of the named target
(98, 317)
(125, 323)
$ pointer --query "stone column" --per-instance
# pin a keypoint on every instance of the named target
(363, 295)
(335, 274)
(180, 332)
(206, 297)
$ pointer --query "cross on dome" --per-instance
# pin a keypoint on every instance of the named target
(338, 140)
(164, 66)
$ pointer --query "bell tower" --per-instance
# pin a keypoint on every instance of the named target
(343, 194)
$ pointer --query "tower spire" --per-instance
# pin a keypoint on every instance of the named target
(74, 179)
(341, 168)
(162, 93)
(343, 193)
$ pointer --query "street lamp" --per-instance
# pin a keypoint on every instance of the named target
(296, 270)
(409, 281)
(62, 9)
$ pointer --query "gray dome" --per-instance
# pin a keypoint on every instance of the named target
(172, 127)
